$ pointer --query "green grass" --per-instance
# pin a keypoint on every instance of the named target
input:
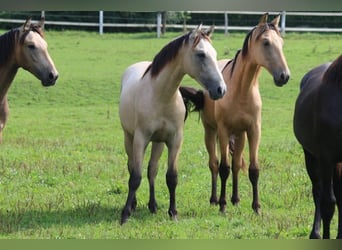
(63, 167)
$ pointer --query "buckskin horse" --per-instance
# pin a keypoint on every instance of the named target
(151, 109)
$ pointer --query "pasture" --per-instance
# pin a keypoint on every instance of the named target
(63, 167)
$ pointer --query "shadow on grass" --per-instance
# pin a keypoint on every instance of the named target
(14, 221)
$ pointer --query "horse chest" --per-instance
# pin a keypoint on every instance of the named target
(163, 129)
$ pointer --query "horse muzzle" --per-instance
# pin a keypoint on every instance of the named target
(281, 79)
(50, 80)
(217, 93)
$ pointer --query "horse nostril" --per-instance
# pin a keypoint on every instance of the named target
(219, 90)
(284, 76)
(51, 76)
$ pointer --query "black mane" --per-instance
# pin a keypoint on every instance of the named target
(7, 44)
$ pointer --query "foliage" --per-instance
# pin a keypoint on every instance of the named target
(63, 167)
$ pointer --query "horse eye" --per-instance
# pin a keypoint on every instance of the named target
(201, 55)
(31, 46)
(266, 43)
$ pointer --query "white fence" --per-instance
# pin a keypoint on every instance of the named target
(157, 25)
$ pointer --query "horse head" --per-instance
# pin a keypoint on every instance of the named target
(200, 62)
(32, 53)
(266, 44)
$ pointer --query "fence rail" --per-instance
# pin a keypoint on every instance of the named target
(225, 16)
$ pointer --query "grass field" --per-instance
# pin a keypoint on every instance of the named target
(63, 167)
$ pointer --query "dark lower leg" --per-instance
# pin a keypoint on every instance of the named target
(224, 173)
(214, 174)
(235, 194)
(171, 181)
(253, 174)
(133, 184)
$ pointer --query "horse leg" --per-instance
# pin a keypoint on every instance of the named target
(210, 143)
(239, 143)
(172, 172)
(253, 170)
(224, 167)
(328, 200)
(338, 196)
(156, 152)
(135, 149)
(313, 172)
(4, 112)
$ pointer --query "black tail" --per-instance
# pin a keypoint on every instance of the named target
(193, 99)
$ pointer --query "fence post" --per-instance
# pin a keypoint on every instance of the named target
(101, 22)
(283, 22)
(225, 23)
(159, 22)
(42, 15)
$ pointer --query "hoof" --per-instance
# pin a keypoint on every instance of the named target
(256, 208)
(124, 216)
(173, 214)
(213, 201)
(123, 220)
(315, 235)
(235, 200)
(152, 207)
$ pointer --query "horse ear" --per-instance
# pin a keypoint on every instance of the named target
(195, 31)
(276, 20)
(263, 19)
(41, 22)
(209, 31)
(27, 24)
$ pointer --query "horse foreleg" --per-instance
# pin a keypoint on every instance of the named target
(253, 170)
(135, 149)
(327, 201)
(4, 112)
(338, 196)
(172, 172)
(210, 143)
(156, 152)
(224, 166)
(313, 172)
(237, 163)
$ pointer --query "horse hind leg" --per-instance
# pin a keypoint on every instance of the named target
(172, 172)
(237, 164)
(338, 196)
(313, 172)
(156, 152)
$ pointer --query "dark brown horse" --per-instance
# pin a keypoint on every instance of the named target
(318, 128)
(23, 47)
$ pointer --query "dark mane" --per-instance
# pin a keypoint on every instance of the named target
(244, 50)
(166, 54)
(7, 41)
(333, 75)
(7, 44)
(170, 51)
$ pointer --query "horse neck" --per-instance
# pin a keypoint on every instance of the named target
(245, 75)
(7, 74)
(9, 67)
(167, 82)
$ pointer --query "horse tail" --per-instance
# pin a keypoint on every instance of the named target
(193, 99)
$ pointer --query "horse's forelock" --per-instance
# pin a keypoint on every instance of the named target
(33, 27)
(201, 35)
